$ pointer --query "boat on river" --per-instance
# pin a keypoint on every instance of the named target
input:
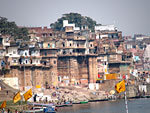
(35, 110)
(41, 108)
(83, 102)
(49, 109)
(66, 104)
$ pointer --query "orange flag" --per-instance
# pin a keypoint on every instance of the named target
(17, 97)
(3, 105)
(28, 94)
(120, 87)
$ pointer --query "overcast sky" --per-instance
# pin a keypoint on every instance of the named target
(130, 16)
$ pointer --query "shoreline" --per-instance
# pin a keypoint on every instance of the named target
(17, 107)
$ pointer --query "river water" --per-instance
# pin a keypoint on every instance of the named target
(135, 106)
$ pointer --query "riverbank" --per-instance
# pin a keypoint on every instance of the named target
(74, 94)
(24, 106)
(70, 93)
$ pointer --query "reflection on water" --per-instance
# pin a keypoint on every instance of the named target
(135, 106)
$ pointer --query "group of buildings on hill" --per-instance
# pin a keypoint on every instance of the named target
(73, 56)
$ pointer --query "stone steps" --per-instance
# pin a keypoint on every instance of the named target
(7, 92)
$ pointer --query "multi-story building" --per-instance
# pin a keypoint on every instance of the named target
(76, 58)
(112, 56)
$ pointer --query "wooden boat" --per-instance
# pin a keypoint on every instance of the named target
(83, 102)
(66, 104)
(35, 110)
(49, 110)
(41, 110)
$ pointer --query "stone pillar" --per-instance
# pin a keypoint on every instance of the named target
(74, 72)
(53, 71)
(92, 66)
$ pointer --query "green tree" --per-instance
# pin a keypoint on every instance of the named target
(76, 18)
(10, 28)
(22, 33)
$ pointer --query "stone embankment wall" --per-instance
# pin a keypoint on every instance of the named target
(108, 85)
(132, 91)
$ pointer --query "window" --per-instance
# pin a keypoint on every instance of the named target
(64, 52)
(14, 52)
(45, 54)
(48, 45)
(123, 57)
(26, 61)
(104, 49)
(83, 27)
(15, 61)
(91, 45)
(70, 44)
(50, 34)
(43, 35)
(112, 36)
(54, 62)
(25, 54)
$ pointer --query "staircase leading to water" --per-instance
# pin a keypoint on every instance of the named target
(7, 92)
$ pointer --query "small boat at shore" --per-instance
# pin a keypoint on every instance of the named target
(41, 110)
(76, 102)
(35, 110)
(66, 104)
(49, 110)
(83, 102)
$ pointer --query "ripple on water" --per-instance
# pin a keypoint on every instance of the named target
(135, 106)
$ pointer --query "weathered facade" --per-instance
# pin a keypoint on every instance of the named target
(112, 56)
(72, 56)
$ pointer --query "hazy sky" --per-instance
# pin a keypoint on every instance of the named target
(130, 16)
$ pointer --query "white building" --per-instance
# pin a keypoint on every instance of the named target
(147, 58)
(105, 28)
(12, 53)
(142, 38)
(66, 24)
(35, 55)
(25, 56)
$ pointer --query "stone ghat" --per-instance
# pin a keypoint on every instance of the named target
(74, 94)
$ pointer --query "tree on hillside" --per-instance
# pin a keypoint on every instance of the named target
(10, 28)
(22, 33)
(76, 18)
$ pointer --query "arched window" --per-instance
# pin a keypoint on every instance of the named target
(48, 45)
